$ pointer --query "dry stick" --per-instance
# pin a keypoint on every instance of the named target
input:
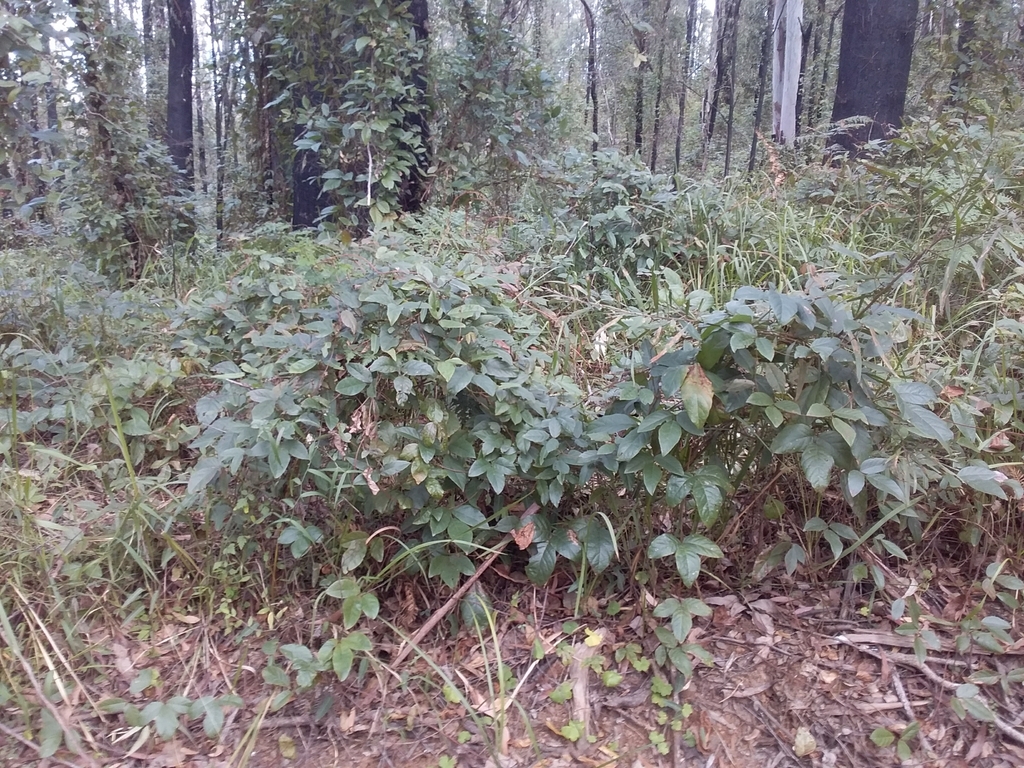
(911, 661)
(441, 612)
(901, 692)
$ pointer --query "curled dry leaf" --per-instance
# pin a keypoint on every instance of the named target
(951, 392)
(804, 742)
(523, 536)
(998, 442)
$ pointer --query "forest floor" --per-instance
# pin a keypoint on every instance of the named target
(800, 677)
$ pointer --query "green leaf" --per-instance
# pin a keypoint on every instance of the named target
(882, 737)
(697, 395)
(51, 734)
(542, 564)
(450, 568)
(630, 445)
(701, 545)
(460, 379)
(205, 472)
(925, 423)
(760, 399)
(653, 420)
(817, 463)
(983, 479)
(668, 436)
(350, 386)
(664, 545)
(819, 411)
(793, 438)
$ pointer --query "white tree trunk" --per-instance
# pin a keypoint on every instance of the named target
(786, 68)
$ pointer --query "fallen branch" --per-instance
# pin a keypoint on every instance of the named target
(443, 611)
(912, 662)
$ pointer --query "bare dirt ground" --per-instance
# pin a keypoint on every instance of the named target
(790, 683)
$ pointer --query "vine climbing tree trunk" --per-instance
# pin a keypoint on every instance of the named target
(415, 116)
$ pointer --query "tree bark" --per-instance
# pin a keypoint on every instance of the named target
(720, 81)
(415, 116)
(659, 83)
(591, 72)
(762, 82)
(218, 125)
(307, 169)
(641, 40)
(874, 68)
(786, 69)
(684, 80)
(179, 86)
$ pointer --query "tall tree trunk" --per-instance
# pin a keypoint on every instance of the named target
(786, 69)
(92, 27)
(154, 57)
(732, 109)
(684, 80)
(591, 73)
(805, 41)
(307, 169)
(970, 47)
(826, 69)
(641, 40)
(719, 82)
(200, 122)
(874, 68)
(179, 86)
(415, 117)
(659, 83)
(218, 124)
(762, 82)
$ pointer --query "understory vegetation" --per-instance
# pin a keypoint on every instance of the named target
(637, 384)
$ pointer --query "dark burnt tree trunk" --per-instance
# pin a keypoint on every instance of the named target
(874, 68)
(179, 86)
(762, 82)
(684, 81)
(591, 99)
(416, 117)
(805, 44)
(307, 169)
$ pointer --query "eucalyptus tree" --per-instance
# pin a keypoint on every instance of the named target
(180, 56)
(874, 69)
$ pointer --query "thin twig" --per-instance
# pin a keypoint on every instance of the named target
(443, 611)
(901, 693)
(911, 661)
